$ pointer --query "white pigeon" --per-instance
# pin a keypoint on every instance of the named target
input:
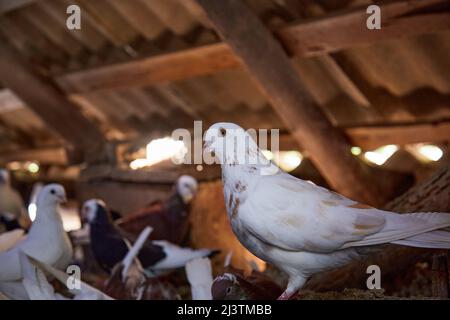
(46, 241)
(300, 227)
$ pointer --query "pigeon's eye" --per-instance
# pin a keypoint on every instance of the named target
(52, 191)
(222, 132)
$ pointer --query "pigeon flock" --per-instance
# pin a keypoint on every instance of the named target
(297, 227)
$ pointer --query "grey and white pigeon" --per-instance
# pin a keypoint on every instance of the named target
(300, 227)
(46, 241)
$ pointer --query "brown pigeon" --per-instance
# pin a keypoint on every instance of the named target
(169, 219)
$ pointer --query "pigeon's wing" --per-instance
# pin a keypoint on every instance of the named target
(177, 257)
(296, 215)
(293, 214)
(151, 254)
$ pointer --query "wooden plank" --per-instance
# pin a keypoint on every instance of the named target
(270, 67)
(348, 29)
(373, 137)
(307, 38)
(11, 5)
(370, 138)
(46, 100)
(152, 70)
(56, 156)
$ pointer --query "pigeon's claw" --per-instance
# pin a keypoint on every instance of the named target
(286, 295)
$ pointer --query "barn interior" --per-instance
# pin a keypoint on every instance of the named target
(365, 113)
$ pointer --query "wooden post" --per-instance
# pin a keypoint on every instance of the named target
(270, 67)
(47, 101)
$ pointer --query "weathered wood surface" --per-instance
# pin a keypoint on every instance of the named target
(314, 37)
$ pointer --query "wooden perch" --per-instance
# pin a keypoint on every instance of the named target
(267, 63)
(431, 195)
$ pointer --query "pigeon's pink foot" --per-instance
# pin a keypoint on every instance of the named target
(286, 295)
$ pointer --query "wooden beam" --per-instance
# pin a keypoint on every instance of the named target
(348, 29)
(270, 67)
(372, 137)
(314, 37)
(153, 70)
(10, 5)
(55, 155)
(47, 101)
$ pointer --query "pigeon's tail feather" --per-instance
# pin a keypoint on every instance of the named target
(410, 229)
(438, 239)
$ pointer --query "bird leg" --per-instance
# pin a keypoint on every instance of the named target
(286, 295)
(294, 284)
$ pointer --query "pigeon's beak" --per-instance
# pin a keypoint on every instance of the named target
(62, 199)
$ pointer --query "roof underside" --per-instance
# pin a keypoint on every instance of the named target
(405, 80)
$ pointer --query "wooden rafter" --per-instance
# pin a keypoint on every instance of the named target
(270, 67)
(372, 137)
(47, 101)
(314, 37)
(366, 137)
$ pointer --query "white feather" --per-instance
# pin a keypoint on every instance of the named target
(177, 257)
(34, 281)
(134, 251)
(199, 274)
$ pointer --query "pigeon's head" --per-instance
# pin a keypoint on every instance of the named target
(225, 287)
(230, 144)
(187, 188)
(51, 195)
(4, 176)
(95, 211)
